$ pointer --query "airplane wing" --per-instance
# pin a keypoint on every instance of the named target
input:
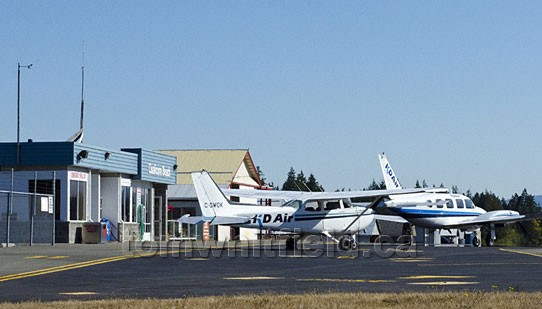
(218, 220)
(491, 217)
(299, 195)
(390, 218)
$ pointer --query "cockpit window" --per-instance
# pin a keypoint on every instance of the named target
(292, 203)
(449, 203)
(469, 203)
(429, 203)
(439, 203)
(460, 203)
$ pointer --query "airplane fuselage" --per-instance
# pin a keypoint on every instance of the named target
(297, 217)
(435, 210)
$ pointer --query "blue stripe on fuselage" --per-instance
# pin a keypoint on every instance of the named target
(429, 213)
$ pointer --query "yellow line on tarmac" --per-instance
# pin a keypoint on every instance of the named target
(347, 280)
(444, 283)
(522, 252)
(436, 277)
(78, 293)
(411, 260)
(253, 278)
(62, 268)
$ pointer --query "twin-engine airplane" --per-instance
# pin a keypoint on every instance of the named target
(330, 213)
(438, 209)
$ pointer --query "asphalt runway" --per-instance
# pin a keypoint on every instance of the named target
(121, 271)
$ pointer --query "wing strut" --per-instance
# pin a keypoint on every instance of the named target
(371, 206)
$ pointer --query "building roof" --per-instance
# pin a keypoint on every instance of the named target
(222, 164)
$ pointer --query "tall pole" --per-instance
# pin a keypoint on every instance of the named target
(19, 109)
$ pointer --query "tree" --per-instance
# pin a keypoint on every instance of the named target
(301, 181)
(377, 186)
(488, 201)
(261, 175)
(289, 184)
(455, 190)
(313, 184)
(531, 230)
(417, 186)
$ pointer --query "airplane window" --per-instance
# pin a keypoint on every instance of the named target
(293, 203)
(449, 203)
(311, 206)
(469, 203)
(429, 203)
(460, 203)
(439, 204)
(332, 205)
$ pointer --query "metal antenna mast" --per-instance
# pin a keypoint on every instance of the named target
(82, 87)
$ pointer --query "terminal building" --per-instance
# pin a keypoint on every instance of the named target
(127, 188)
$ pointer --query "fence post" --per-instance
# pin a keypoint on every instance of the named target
(54, 209)
(10, 206)
(33, 209)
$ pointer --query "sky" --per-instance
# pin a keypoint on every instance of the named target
(451, 91)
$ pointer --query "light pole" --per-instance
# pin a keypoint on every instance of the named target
(19, 66)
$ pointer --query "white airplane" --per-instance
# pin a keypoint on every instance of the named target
(439, 209)
(329, 214)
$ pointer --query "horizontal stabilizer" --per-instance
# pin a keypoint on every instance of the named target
(191, 220)
(218, 220)
(221, 220)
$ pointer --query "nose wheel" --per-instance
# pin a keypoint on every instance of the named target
(347, 243)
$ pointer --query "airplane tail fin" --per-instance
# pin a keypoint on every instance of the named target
(390, 179)
(212, 201)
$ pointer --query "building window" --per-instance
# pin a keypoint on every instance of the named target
(46, 187)
(78, 200)
(126, 204)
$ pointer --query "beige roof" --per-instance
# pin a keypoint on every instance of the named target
(222, 164)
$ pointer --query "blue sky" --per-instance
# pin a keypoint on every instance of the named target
(450, 90)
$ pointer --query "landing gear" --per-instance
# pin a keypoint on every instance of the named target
(491, 236)
(347, 243)
(476, 242)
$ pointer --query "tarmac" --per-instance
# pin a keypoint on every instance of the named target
(186, 269)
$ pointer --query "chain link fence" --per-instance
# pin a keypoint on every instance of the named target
(27, 207)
